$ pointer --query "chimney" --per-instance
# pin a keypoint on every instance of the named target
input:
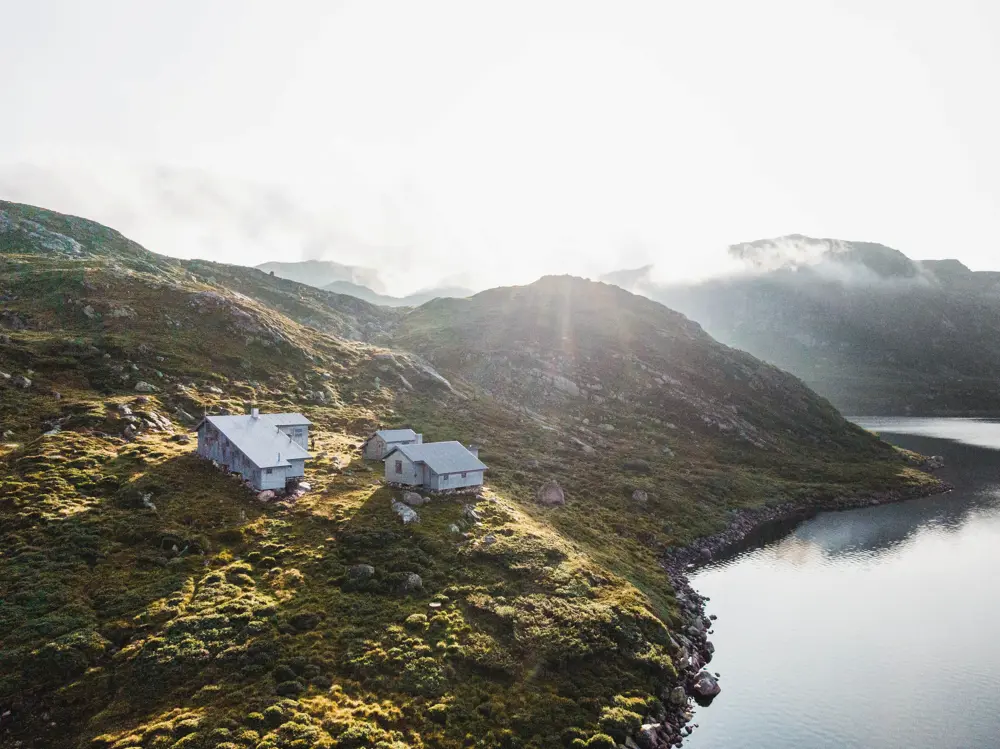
(420, 439)
(254, 413)
(474, 449)
(279, 457)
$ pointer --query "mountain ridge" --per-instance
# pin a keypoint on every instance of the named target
(864, 325)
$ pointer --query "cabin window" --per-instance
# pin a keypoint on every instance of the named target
(399, 466)
(444, 476)
(267, 471)
(464, 475)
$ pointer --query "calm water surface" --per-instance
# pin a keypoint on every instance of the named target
(869, 628)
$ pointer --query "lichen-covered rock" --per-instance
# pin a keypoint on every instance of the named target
(640, 496)
(21, 381)
(414, 500)
(361, 572)
(411, 583)
(551, 494)
(407, 514)
(144, 387)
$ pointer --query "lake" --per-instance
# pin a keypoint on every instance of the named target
(877, 627)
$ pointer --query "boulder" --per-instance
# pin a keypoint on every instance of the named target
(407, 514)
(414, 500)
(266, 496)
(640, 496)
(489, 540)
(21, 381)
(469, 513)
(678, 697)
(411, 583)
(649, 736)
(361, 572)
(144, 387)
(550, 494)
(705, 686)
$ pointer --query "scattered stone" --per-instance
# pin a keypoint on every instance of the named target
(144, 387)
(361, 572)
(412, 582)
(469, 513)
(640, 496)
(4, 376)
(89, 311)
(489, 540)
(435, 604)
(678, 696)
(141, 400)
(305, 486)
(551, 494)
(414, 500)
(454, 528)
(8, 435)
(266, 496)
(214, 389)
(21, 381)
(407, 514)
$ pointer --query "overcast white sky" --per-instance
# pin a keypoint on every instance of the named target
(488, 143)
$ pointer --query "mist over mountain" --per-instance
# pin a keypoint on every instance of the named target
(322, 273)
(862, 323)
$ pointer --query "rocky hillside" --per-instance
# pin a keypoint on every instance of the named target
(861, 323)
(148, 600)
(322, 273)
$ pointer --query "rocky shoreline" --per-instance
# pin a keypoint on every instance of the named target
(693, 648)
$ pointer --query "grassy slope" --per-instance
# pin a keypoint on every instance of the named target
(215, 621)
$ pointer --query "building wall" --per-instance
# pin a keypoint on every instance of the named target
(438, 483)
(297, 469)
(411, 474)
(375, 448)
(273, 480)
(299, 434)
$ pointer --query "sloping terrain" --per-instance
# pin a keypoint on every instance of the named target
(148, 600)
(864, 325)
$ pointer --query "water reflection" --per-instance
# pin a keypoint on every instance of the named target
(871, 627)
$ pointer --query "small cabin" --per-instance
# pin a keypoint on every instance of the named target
(267, 450)
(379, 444)
(435, 466)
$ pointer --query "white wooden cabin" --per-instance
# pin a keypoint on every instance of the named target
(268, 450)
(435, 466)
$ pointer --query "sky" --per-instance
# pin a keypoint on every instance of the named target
(482, 143)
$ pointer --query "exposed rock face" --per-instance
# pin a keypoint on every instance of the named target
(551, 494)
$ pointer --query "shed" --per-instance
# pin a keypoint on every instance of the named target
(381, 442)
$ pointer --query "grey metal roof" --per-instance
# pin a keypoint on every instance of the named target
(260, 439)
(396, 435)
(442, 457)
